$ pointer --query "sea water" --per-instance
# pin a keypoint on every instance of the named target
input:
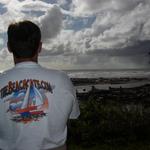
(111, 73)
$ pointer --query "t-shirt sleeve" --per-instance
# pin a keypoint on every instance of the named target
(75, 111)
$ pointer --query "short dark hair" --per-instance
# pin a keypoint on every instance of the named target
(23, 39)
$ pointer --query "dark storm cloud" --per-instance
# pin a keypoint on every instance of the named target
(140, 47)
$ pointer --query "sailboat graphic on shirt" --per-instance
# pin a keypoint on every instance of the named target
(28, 105)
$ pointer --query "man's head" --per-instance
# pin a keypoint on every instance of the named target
(24, 39)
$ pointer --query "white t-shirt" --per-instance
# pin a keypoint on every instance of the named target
(35, 104)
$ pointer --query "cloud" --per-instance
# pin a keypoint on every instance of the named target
(6, 60)
(4, 55)
(116, 29)
(87, 33)
(14, 11)
(51, 23)
(95, 6)
(119, 33)
(113, 30)
(139, 49)
(1, 42)
(62, 45)
(30, 5)
(21, 10)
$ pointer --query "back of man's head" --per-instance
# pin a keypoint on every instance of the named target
(23, 39)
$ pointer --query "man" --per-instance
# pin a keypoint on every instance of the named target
(35, 102)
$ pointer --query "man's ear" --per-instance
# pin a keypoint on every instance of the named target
(40, 47)
(9, 47)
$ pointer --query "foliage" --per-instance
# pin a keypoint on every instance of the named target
(109, 123)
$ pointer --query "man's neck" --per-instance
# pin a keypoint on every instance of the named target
(19, 60)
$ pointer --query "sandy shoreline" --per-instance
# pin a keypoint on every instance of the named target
(85, 85)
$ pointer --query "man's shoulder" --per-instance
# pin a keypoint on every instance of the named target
(55, 72)
(41, 72)
(4, 73)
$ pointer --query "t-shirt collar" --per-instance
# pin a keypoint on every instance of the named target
(26, 64)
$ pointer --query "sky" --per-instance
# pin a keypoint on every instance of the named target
(83, 34)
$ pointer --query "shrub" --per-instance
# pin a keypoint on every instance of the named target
(109, 123)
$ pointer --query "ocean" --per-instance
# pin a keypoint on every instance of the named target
(111, 73)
